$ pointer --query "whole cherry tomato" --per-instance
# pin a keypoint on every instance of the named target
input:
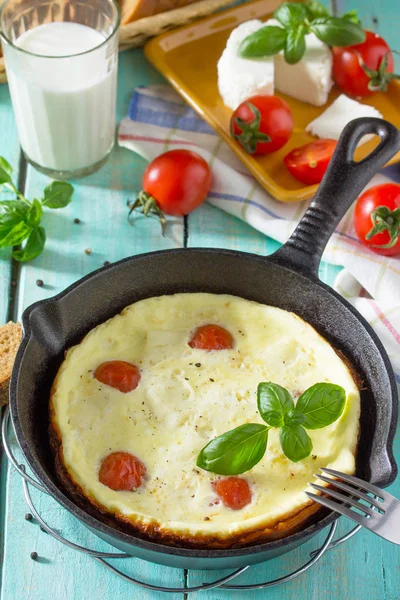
(377, 218)
(211, 337)
(122, 471)
(174, 183)
(262, 124)
(118, 374)
(365, 68)
(308, 163)
(234, 492)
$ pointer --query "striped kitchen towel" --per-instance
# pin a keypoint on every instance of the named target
(159, 120)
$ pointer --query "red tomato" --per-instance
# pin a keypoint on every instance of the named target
(118, 374)
(309, 162)
(234, 492)
(378, 210)
(365, 68)
(211, 337)
(121, 471)
(262, 124)
(174, 183)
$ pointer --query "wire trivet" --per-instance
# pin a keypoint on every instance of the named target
(101, 557)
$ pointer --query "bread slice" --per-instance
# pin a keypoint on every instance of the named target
(10, 339)
(131, 10)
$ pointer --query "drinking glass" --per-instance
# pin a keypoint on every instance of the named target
(63, 81)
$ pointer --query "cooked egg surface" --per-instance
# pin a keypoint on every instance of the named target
(185, 398)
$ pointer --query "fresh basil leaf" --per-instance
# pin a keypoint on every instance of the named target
(294, 417)
(351, 16)
(273, 402)
(337, 32)
(5, 177)
(295, 46)
(290, 14)
(267, 41)
(316, 9)
(16, 235)
(235, 451)
(7, 222)
(33, 247)
(14, 206)
(58, 194)
(295, 442)
(35, 213)
(321, 404)
(4, 164)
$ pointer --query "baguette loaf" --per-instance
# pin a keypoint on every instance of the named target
(132, 10)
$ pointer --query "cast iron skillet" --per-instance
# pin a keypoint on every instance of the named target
(288, 279)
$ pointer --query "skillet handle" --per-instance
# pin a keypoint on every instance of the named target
(343, 181)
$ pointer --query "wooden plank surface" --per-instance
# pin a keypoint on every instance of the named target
(364, 568)
(9, 148)
(100, 203)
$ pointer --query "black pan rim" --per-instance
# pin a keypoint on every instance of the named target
(157, 547)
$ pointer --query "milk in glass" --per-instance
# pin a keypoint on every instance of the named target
(64, 105)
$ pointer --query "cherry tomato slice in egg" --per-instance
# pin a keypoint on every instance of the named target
(211, 337)
(118, 374)
(121, 471)
(234, 492)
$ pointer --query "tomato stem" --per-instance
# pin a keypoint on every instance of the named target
(147, 205)
(250, 130)
(379, 79)
(384, 219)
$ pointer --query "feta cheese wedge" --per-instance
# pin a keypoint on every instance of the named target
(239, 78)
(334, 119)
(309, 80)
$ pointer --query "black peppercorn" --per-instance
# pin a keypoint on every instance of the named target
(39, 282)
(76, 220)
(34, 555)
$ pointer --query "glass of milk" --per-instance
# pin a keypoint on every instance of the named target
(61, 58)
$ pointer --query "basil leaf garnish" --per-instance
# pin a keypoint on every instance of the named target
(33, 247)
(58, 194)
(337, 32)
(273, 402)
(238, 450)
(351, 16)
(267, 41)
(321, 404)
(235, 451)
(294, 417)
(316, 10)
(15, 235)
(295, 442)
(35, 213)
(4, 175)
(4, 164)
(290, 14)
(295, 46)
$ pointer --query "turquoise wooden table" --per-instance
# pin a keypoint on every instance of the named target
(365, 567)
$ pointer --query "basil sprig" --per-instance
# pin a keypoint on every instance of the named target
(20, 219)
(295, 22)
(240, 449)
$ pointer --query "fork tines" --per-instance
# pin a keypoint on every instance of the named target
(357, 490)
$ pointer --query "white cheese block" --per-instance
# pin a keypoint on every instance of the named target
(241, 78)
(309, 80)
(334, 119)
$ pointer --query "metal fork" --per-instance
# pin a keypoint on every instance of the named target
(381, 515)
